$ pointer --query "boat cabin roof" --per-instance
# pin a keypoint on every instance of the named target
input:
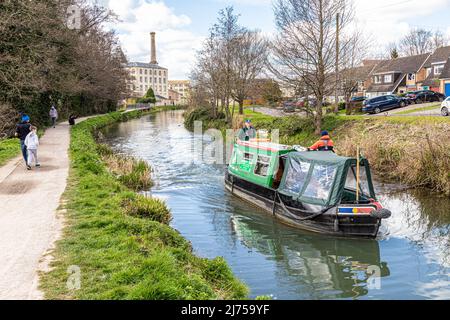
(265, 145)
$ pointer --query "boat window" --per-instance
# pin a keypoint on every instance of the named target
(321, 183)
(296, 176)
(262, 166)
(248, 156)
(350, 183)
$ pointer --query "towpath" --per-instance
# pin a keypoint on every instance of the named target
(29, 219)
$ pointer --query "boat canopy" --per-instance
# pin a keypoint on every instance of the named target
(321, 178)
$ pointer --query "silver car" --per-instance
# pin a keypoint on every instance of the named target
(445, 107)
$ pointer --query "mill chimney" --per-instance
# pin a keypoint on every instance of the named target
(153, 48)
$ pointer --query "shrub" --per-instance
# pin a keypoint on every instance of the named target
(133, 173)
(150, 208)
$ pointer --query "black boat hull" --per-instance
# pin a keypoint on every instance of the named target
(293, 213)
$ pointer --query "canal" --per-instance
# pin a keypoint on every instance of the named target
(409, 260)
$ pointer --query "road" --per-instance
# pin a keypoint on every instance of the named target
(29, 219)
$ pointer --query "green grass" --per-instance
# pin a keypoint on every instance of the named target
(121, 242)
(429, 108)
(9, 148)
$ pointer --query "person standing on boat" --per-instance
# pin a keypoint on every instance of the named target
(324, 144)
(248, 132)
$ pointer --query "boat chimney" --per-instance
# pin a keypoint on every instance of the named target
(153, 48)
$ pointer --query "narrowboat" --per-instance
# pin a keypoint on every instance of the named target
(315, 191)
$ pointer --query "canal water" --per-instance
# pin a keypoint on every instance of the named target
(409, 260)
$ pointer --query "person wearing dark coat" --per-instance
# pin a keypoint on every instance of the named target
(22, 131)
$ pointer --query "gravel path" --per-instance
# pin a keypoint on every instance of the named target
(29, 221)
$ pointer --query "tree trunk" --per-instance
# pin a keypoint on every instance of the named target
(241, 107)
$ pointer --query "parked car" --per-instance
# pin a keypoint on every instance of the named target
(445, 107)
(289, 106)
(358, 99)
(425, 96)
(382, 103)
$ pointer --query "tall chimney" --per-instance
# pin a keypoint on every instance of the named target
(153, 47)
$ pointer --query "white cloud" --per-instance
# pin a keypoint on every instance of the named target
(387, 21)
(176, 46)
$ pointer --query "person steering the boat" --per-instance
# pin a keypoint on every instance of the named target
(324, 144)
(248, 132)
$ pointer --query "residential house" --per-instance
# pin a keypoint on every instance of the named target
(433, 68)
(445, 79)
(398, 75)
(353, 81)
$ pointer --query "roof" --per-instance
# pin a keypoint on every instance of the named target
(144, 65)
(441, 54)
(322, 156)
(265, 145)
(386, 87)
(446, 71)
(411, 64)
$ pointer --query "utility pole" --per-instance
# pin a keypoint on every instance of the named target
(336, 94)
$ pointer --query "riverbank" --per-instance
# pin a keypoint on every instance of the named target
(408, 150)
(118, 245)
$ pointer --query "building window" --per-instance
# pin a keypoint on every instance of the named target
(140, 78)
(146, 80)
(155, 80)
(159, 72)
(428, 72)
(145, 71)
(411, 76)
(160, 80)
(140, 71)
(438, 69)
(388, 78)
(377, 79)
(164, 80)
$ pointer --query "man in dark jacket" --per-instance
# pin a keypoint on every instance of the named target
(22, 130)
(248, 132)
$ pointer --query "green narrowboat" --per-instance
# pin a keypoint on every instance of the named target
(316, 191)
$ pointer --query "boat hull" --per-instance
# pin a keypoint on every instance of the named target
(292, 212)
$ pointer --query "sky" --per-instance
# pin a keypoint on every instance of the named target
(182, 25)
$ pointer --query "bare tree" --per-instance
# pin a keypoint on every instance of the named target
(417, 41)
(353, 52)
(439, 39)
(42, 61)
(304, 51)
(249, 59)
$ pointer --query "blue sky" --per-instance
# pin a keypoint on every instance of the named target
(181, 25)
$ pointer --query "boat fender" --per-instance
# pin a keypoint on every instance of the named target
(381, 214)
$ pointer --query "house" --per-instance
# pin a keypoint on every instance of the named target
(353, 81)
(398, 75)
(433, 69)
(445, 79)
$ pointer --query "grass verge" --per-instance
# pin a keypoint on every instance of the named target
(9, 148)
(120, 242)
(429, 108)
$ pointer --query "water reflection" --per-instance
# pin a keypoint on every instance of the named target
(328, 267)
(411, 254)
